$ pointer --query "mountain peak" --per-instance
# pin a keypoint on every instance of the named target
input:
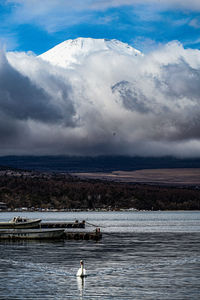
(71, 52)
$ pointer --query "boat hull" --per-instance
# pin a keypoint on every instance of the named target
(20, 225)
(31, 234)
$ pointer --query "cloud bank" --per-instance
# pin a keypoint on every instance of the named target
(110, 104)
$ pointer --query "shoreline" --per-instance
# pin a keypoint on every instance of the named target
(96, 210)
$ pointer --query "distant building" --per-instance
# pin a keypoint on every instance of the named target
(3, 205)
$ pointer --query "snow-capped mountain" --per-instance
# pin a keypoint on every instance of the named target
(72, 52)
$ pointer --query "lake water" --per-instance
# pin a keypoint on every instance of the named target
(142, 255)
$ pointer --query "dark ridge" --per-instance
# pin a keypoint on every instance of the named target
(60, 191)
(70, 164)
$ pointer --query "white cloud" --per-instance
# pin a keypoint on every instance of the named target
(40, 7)
(54, 16)
(50, 15)
(145, 44)
(109, 104)
(181, 4)
(195, 23)
(8, 41)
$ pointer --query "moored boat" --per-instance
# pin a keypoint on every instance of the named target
(31, 234)
(20, 223)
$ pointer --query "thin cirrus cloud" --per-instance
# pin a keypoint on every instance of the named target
(52, 15)
(195, 23)
(152, 111)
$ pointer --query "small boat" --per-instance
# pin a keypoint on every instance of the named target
(13, 234)
(20, 222)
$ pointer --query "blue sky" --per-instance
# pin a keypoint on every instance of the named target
(34, 25)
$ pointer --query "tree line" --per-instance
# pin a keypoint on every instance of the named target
(69, 192)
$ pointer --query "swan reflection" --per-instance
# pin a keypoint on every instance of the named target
(81, 285)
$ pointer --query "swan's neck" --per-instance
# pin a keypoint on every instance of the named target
(81, 269)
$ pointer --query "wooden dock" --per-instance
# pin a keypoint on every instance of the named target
(69, 225)
(94, 235)
(74, 235)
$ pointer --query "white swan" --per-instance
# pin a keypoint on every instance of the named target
(81, 271)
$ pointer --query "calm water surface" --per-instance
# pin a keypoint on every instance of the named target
(143, 255)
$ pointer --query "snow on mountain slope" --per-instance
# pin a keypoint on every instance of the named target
(72, 52)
